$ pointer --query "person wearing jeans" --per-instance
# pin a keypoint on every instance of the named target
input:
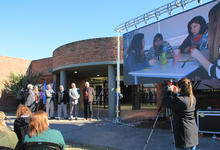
(74, 96)
(62, 98)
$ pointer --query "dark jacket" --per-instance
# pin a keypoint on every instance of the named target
(185, 128)
(21, 128)
(91, 94)
(132, 62)
(62, 97)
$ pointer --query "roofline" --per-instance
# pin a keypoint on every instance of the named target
(111, 37)
(86, 64)
(42, 59)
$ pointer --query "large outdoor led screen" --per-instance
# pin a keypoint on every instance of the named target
(174, 48)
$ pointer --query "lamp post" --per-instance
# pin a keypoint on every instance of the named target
(117, 120)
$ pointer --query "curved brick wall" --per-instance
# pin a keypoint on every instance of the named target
(87, 51)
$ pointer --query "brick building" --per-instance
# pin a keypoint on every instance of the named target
(10, 65)
(92, 60)
(43, 66)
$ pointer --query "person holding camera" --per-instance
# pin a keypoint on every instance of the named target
(183, 105)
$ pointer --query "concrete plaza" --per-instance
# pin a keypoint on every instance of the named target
(106, 135)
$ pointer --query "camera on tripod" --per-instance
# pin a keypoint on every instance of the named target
(170, 89)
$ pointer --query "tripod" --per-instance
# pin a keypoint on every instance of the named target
(152, 130)
(98, 100)
(171, 125)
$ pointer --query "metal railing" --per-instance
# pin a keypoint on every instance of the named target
(156, 13)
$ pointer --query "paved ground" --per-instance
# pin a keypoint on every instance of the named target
(106, 135)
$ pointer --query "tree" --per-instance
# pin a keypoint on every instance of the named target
(18, 81)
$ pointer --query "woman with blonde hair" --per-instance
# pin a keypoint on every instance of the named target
(22, 122)
(7, 137)
(39, 130)
(37, 97)
(183, 108)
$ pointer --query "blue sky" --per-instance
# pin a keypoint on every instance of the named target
(33, 29)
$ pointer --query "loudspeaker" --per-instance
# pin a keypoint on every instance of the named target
(208, 121)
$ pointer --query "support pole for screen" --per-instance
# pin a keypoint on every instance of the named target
(118, 79)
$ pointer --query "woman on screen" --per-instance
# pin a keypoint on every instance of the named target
(198, 35)
(158, 47)
(135, 58)
(213, 66)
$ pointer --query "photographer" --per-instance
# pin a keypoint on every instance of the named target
(182, 102)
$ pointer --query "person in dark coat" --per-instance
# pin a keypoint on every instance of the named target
(62, 100)
(21, 123)
(88, 95)
(183, 108)
(20, 97)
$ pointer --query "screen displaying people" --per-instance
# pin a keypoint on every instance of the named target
(176, 47)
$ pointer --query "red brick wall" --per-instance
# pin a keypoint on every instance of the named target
(43, 65)
(11, 64)
(86, 51)
(8, 65)
(92, 50)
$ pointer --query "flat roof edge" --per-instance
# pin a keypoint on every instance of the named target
(86, 64)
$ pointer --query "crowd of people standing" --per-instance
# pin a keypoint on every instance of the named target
(36, 99)
(32, 125)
